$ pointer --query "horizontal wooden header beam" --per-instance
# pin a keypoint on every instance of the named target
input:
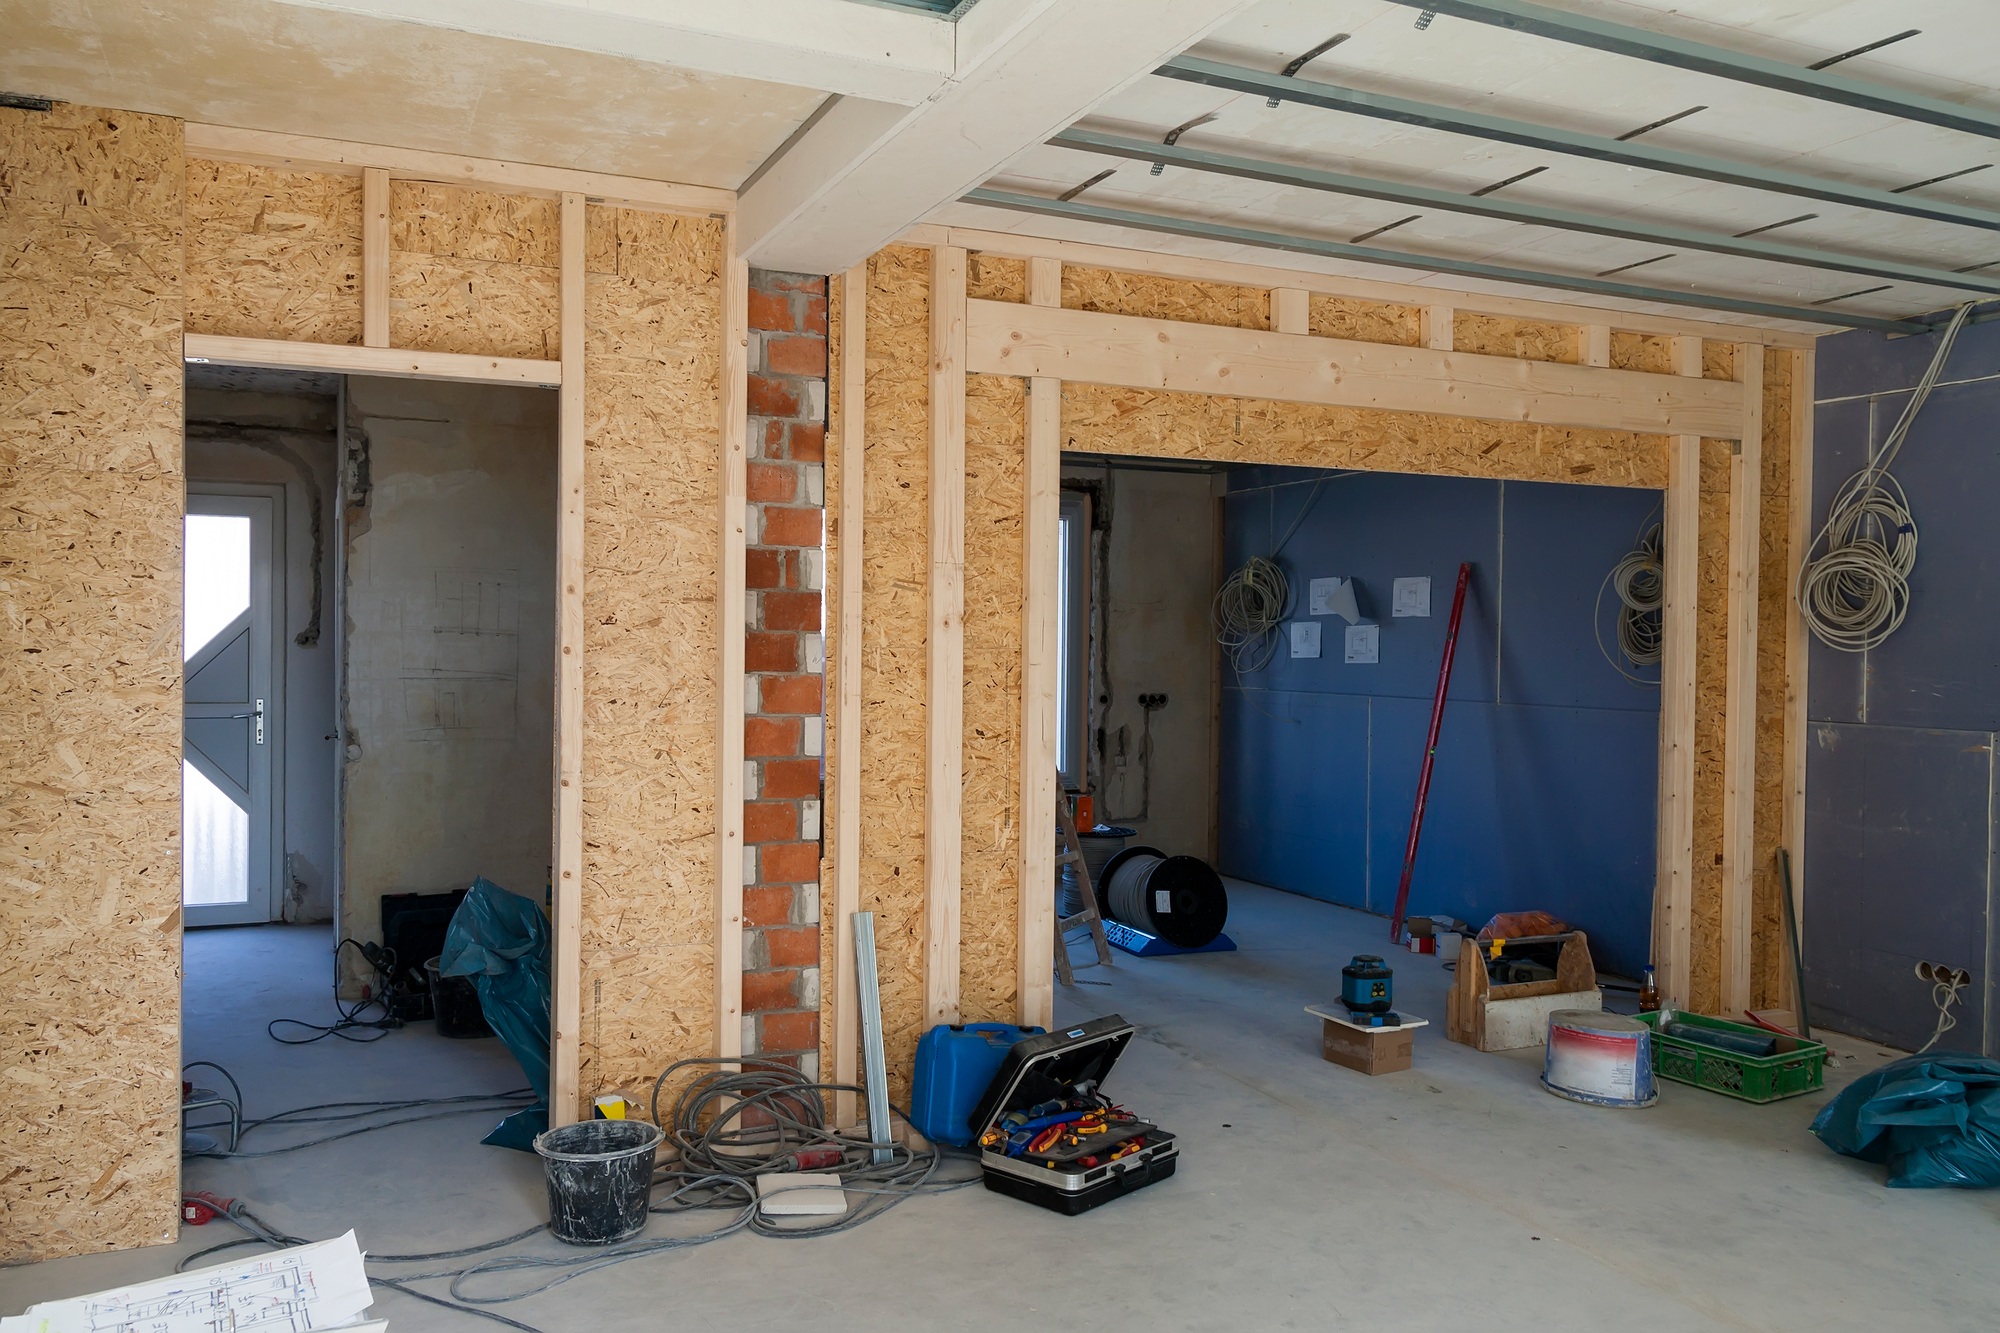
(298, 152)
(395, 363)
(1194, 268)
(1007, 339)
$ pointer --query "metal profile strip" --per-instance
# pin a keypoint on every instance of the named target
(874, 1060)
(1563, 219)
(1629, 153)
(1660, 49)
(1312, 245)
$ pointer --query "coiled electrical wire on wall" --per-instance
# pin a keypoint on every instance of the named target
(1249, 608)
(1640, 584)
(1854, 584)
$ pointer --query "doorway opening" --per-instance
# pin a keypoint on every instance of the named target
(1288, 758)
(370, 643)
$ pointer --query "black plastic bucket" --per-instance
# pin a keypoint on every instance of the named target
(600, 1175)
(455, 1006)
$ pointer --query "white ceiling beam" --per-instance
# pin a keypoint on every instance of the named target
(860, 175)
(851, 50)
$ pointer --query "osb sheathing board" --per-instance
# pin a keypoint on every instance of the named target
(1711, 615)
(652, 407)
(1364, 321)
(1768, 963)
(1526, 339)
(90, 465)
(473, 271)
(996, 278)
(1108, 292)
(989, 848)
(895, 618)
(273, 254)
(1152, 423)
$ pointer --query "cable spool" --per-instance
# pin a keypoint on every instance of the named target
(1099, 845)
(1175, 898)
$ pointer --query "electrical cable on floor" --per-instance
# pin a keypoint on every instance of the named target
(1854, 584)
(477, 1103)
(740, 1119)
(383, 960)
(1640, 583)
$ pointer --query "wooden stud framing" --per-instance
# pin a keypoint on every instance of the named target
(945, 676)
(565, 1098)
(1673, 894)
(1797, 657)
(1004, 338)
(1041, 529)
(847, 702)
(1015, 245)
(729, 624)
(277, 354)
(1739, 733)
(1438, 331)
(298, 152)
(375, 257)
(1291, 307)
(1596, 349)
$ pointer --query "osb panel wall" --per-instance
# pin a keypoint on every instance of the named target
(995, 278)
(1651, 353)
(652, 405)
(1364, 321)
(895, 601)
(1152, 423)
(1711, 614)
(1527, 339)
(473, 271)
(273, 254)
(995, 497)
(1773, 594)
(90, 519)
(1109, 292)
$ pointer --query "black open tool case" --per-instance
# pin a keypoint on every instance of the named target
(1068, 1065)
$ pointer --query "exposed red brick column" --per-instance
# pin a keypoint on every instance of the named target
(784, 663)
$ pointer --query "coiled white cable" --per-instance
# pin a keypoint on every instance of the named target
(1249, 609)
(1640, 583)
(1854, 584)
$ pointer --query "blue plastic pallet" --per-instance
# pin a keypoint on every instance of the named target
(1141, 945)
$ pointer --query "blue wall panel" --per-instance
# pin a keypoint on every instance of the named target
(1543, 795)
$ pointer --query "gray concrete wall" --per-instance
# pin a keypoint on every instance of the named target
(242, 436)
(450, 640)
(1155, 557)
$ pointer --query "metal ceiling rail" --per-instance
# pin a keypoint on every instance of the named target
(1429, 115)
(1660, 49)
(1492, 206)
(1368, 254)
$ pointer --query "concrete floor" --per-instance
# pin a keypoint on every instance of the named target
(1455, 1195)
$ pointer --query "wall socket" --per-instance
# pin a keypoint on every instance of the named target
(1938, 974)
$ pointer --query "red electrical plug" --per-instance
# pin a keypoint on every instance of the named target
(201, 1207)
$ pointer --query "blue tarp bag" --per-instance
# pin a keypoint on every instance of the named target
(1933, 1119)
(500, 941)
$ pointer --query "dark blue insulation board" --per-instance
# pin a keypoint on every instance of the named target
(1898, 874)
(1899, 825)
(1547, 769)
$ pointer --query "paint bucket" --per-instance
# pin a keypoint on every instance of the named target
(600, 1178)
(1598, 1058)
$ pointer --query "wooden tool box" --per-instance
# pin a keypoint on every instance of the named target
(1068, 1064)
(1491, 1017)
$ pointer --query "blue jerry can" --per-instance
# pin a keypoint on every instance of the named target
(955, 1063)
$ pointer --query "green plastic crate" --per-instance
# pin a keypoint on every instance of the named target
(1798, 1067)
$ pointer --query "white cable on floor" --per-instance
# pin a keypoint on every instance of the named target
(1855, 593)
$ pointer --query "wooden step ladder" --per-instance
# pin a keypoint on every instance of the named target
(1071, 854)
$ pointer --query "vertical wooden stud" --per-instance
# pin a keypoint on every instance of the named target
(944, 797)
(729, 627)
(1739, 726)
(565, 1097)
(1596, 345)
(374, 257)
(846, 758)
(1291, 310)
(1673, 893)
(1797, 644)
(1036, 946)
(1437, 327)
